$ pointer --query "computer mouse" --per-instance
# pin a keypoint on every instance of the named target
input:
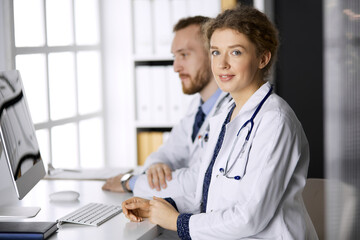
(64, 196)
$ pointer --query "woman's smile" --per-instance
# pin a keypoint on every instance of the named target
(226, 77)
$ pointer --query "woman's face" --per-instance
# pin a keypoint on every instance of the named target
(234, 63)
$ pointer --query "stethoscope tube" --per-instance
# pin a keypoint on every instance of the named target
(227, 169)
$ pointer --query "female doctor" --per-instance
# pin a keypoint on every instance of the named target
(254, 168)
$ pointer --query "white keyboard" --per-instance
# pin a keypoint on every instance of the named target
(93, 214)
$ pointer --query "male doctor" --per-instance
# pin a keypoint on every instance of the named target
(183, 147)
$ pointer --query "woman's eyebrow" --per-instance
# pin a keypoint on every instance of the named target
(231, 46)
(236, 45)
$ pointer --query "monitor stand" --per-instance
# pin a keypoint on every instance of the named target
(18, 212)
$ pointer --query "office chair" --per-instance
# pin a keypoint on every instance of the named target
(314, 199)
(343, 208)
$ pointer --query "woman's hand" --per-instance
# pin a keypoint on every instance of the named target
(163, 213)
(136, 208)
(157, 210)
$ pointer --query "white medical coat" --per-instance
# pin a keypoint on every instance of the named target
(179, 151)
(267, 202)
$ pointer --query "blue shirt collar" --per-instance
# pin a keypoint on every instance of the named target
(209, 104)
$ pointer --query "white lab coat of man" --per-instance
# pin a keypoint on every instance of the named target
(179, 151)
(266, 203)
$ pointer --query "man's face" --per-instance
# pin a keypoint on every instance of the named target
(191, 60)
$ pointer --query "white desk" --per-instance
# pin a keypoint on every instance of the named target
(118, 227)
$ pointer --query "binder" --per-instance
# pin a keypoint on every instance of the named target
(143, 93)
(142, 27)
(196, 7)
(213, 8)
(158, 94)
(163, 27)
(148, 142)
(156, 140)
(143, 147)
(27, 230)
(178, 10)
(175, 108)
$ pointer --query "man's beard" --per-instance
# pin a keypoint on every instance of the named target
(201, 79)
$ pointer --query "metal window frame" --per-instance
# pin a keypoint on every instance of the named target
(49, 124)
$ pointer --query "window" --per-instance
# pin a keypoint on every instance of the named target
(57, 50)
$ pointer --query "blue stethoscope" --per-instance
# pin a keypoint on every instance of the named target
(227, 169)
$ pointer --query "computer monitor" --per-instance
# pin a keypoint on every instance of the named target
(18, 141)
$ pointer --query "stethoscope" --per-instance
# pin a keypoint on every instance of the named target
(205, 137)
(227, 169)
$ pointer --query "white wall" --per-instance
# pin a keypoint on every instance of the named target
(119, 72)
(5, 33)
(5, 64)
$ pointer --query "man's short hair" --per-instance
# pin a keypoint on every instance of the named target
(185, 22)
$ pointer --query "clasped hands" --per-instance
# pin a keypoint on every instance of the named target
(158, 210)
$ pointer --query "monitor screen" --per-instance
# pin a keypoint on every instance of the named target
(17, 133)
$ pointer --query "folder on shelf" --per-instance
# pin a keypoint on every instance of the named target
(27, 230)
(156, 140)
(142, 26)
(144, 92)
(148, 142)
(178, 9)
(162, 26)
(158, 94)
(175, 95)
(143, 147)
(213, 7)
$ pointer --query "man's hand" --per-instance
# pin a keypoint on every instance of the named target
(156, 175)
(114, 185)
(136, 208)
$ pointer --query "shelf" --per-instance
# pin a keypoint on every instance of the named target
(153, 58)
(147, 125)
(157, 89)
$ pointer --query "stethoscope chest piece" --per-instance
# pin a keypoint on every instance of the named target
(235, 177)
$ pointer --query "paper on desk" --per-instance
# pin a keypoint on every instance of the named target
(87, 174)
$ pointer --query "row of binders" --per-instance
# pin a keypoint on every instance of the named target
(159, 96)
(149, 142)
(154, 19)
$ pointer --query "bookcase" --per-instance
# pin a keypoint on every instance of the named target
(158, 97)
(121, 57)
